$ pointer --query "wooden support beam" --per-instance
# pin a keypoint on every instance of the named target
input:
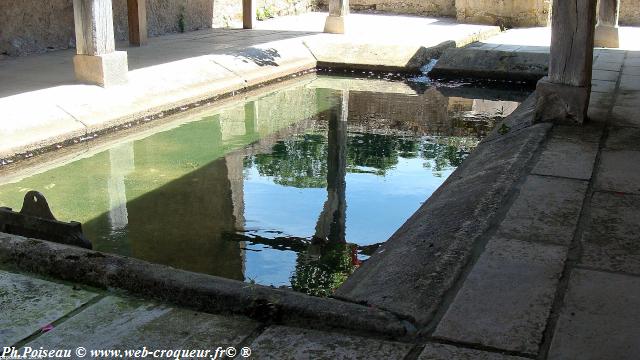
(94, 27)
(564, 95)
(96, 61)
(248, 13)
(137, 15)
(338, 10)
(607, 27)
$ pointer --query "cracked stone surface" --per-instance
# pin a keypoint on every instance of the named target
(610, 241)
(449, 352)
(566, 158)
(599, 319)
(27, 304)
(280, 342)
(546, 210)
(619, 171)
(120, 323)
(506, 299)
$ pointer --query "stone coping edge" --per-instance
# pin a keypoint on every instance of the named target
(196, 291)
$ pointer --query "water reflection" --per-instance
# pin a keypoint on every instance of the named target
(294, 188)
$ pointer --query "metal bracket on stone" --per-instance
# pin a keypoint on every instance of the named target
(35, 220)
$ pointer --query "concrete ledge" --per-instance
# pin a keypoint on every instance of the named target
(193, 290)
(491, 64)
(413, 271)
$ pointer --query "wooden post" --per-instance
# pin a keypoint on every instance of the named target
(607, 28)
(96, 61)
(338, 10)
(137, 15)
(248, 13)
(564, 95)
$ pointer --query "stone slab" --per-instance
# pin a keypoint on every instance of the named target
(29, 303)
(606, 65)
(623, 138)
(546, 210)
(605, 86)
(279, 342)
(631, 70)
(566, 158)
(505, 300)
(625, 116)
(599, 319)
(589, 132)
(434, 351)
(492, 64)
(120, 323)
(630, 83)
(605, 75)
(610, 241)
(619, 171)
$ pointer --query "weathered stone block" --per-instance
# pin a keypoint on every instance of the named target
(120, 323)
(546, 210)
(436, 351)
(561, 103)
(607, 36)
(505, 301)
(599, 319)
(611, 239)
(279, 342)
(568, 159)
(334, 25)
(29, 303)
(104, 70)
(619, 171)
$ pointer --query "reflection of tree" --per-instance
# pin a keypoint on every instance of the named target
(300, 161)
(323, 268)
(446, 153)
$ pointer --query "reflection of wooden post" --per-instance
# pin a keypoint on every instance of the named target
(137, 14)
(338, 10)
(251, 118)
(331, 224)
(248, 13)
(96, 61)
(607, 28)
(564, 94)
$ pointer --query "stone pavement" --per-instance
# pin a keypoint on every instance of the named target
(41, 103)
(560, 277)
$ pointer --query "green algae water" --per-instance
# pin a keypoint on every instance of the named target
(295, 188)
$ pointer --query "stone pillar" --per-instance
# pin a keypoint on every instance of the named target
(96, 61)
(338, 10)
(248, 13)
(607, 28)
(137, 16)
(563, 96)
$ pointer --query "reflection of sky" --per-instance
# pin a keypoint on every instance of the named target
(376, 207)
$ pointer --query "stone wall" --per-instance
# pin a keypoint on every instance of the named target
(36, 26)
(32, 26)
(630, 12)
(228, 13)
(508, 13)
(420, 7)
